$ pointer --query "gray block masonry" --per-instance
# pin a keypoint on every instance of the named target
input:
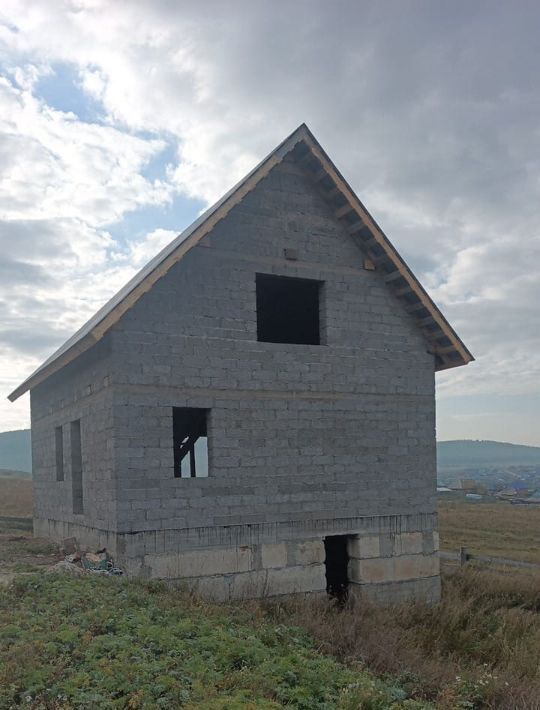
(305, 442)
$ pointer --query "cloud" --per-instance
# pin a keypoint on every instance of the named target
(430, 110)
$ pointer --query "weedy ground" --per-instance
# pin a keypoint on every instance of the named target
(102, 642)
(94, 642)
(478, 648)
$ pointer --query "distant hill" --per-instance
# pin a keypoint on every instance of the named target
(466, 453)
(15, 451)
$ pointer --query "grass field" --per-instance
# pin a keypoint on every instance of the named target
(497, 529)
(15, 496)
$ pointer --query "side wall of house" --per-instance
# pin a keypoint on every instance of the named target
(83, 504)
(305, 441)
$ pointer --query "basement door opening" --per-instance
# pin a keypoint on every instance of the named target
(337, 566)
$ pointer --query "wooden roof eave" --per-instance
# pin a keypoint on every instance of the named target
(377, 237)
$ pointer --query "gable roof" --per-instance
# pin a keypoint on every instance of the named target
(445, 344)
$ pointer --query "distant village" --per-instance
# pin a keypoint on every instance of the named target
(519, 485)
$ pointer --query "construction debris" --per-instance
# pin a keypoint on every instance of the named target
(66, 568)
(69, 545)
(82, 562)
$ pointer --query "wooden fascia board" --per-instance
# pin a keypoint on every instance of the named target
(61, 361)
(390, 251)
(205, 228)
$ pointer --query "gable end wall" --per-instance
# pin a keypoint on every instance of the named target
(305, 441)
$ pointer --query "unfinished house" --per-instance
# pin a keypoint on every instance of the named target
(254, 413)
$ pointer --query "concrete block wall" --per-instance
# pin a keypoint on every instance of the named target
(80, 391)
(273, 459)
(296, 431)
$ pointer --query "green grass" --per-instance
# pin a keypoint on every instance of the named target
(97, 642)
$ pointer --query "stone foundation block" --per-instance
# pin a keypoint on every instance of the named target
(292, 580)
(310, 552)
(393, 569)
(274, 555)
(216, 589)
(416, 566)
(249, 585)
(199, 563)
(364, 546)
(409, 544)
(258, 583)
(377, 569)
(426, 590)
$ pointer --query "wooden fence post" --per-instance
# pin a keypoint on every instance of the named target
(463, 556)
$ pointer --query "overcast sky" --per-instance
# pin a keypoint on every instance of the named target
(120, 121)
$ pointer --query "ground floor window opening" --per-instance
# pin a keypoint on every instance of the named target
(190, 440)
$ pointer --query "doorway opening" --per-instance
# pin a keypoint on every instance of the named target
(337, 564)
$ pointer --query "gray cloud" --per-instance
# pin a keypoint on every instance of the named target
(429, 108)
(13, 271)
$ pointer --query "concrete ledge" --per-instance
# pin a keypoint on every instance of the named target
(171, 539)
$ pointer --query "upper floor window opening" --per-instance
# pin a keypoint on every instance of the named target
(288, 310)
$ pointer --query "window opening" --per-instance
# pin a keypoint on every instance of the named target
(337, 566)
(76, 467)
(190, 441)
(59, 440)
(287, 310)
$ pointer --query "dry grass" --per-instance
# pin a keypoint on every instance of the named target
(479, 645)
(16, 497)
(497, 529)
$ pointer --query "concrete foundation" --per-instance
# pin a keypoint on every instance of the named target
(391, 558)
